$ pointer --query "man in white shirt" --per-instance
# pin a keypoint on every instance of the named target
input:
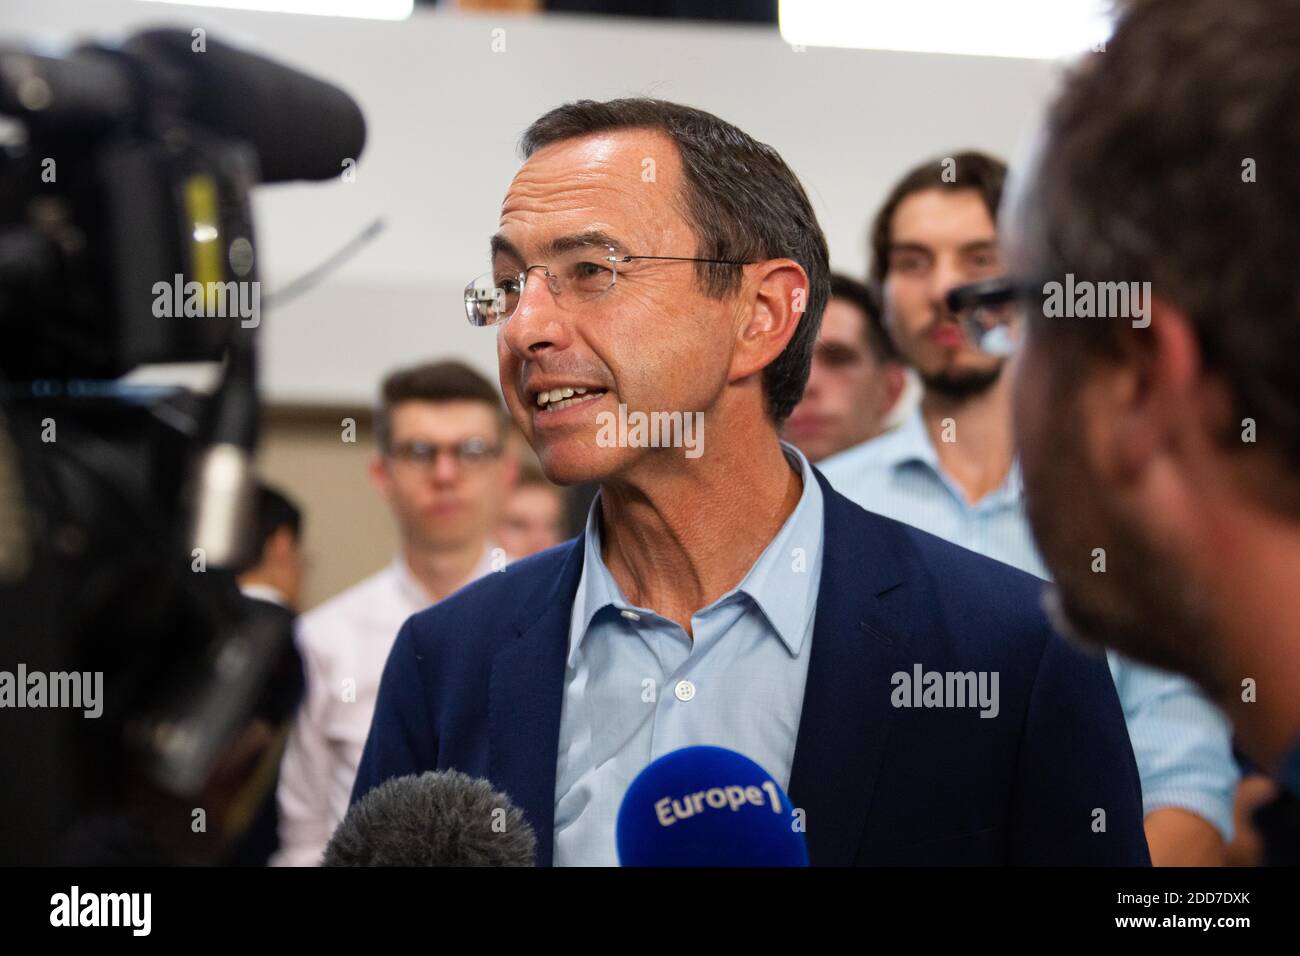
(441, 464)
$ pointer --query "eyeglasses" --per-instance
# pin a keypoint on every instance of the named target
(575, 277)
(470, 453)
(991, 312)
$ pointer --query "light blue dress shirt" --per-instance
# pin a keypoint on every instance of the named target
(637, 687)
(1182, 742)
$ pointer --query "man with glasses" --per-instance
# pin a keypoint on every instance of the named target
(440, 464)
(653, 260)
(950, 468)
(1172, 441)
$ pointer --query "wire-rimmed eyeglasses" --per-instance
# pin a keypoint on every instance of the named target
(577, 276)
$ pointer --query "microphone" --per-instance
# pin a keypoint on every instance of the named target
(434, 819)
(301, 127)
(707, 806)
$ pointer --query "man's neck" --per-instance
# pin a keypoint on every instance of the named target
(443, 570)
(972, 436)
(262, 582)
(677, 541)
(1254, 569)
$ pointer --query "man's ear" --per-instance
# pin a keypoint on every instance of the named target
(1142, 405)
(895, 375)
(377, 472)
(281, 543)
(780, 300)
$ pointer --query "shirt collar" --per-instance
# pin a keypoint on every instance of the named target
(910, 443)
(408, 585)
(783, 582)
(413, 591)
(265, 592)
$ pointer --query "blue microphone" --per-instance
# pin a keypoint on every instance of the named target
(707, 806)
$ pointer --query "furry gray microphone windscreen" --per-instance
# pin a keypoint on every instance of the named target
(434, 819)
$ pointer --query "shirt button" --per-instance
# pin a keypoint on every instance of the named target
(631, 615)
(684, 690)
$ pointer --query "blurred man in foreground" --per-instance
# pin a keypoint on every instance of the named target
(1170, 441)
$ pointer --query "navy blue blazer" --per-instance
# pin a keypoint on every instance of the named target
(475, 683)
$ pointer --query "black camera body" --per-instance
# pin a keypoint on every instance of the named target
(126, 239)
(95, 215)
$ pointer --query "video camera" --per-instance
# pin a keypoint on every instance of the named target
(127, 239)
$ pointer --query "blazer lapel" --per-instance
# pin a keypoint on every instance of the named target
(858, 644)
(525, 699)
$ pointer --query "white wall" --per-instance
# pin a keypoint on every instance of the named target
(444, 113)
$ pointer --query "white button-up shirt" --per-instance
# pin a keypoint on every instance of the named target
(344, 645)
